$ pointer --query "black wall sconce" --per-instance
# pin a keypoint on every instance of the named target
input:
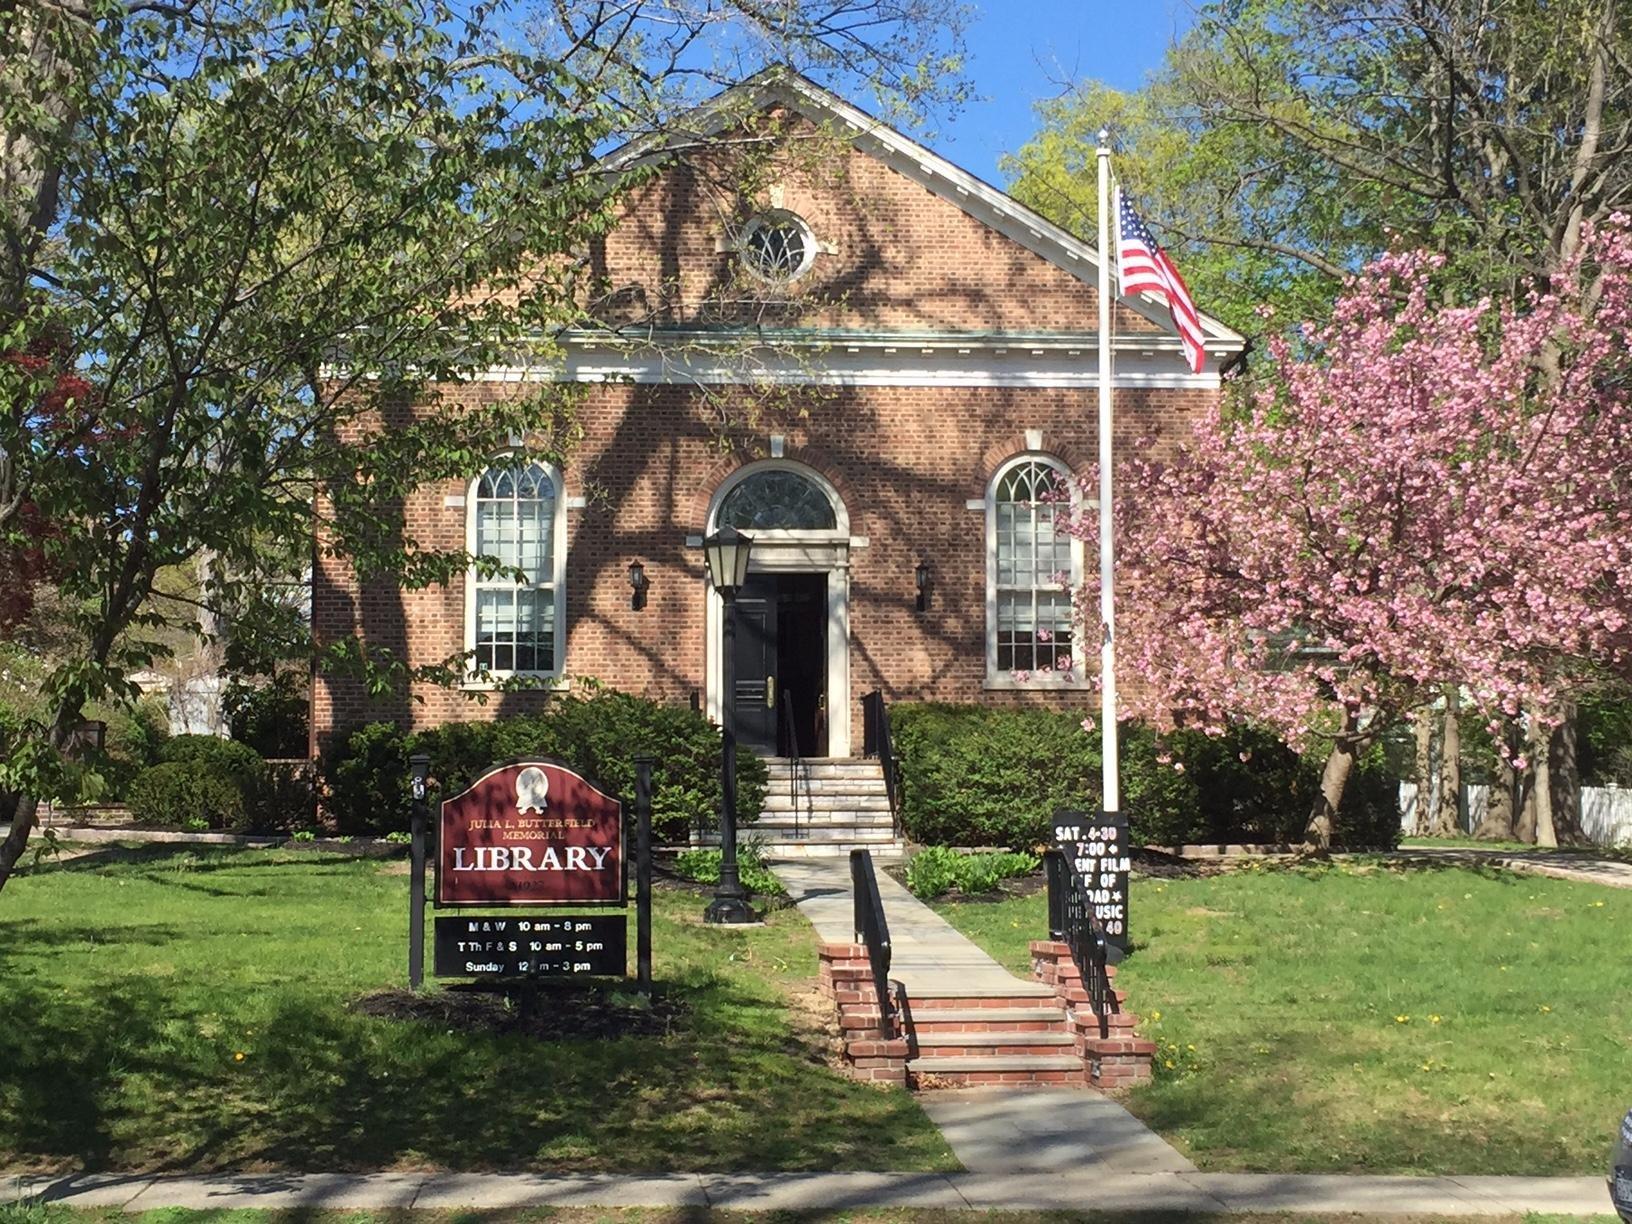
(920, 580)
(638, 582)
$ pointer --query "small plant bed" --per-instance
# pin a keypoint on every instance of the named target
(939, 871)
(198, 1009)
(701, 866)
(1371, 1016)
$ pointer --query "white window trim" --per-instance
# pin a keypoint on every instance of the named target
(772, 217)
(492, 679)
(1007, 680)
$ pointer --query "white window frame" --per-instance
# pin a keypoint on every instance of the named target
(557, 583)
(766, 220)
(1002, 679)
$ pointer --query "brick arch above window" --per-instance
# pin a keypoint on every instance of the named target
(811, 458)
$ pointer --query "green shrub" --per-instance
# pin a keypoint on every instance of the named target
(977, 776)
(188, 794)
(599, 735)
(937, 869)
(271, 717)
(223, 755)
(703, 866)
(135, 739)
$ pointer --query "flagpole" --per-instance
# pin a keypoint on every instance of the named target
(1111, 778)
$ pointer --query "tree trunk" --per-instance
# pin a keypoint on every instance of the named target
(1317, 836)
(1524, 803)
(1447, 814)
(1541, 787)
(1423, 725)
(26, 808)
(1498, 822)
(1565, 772)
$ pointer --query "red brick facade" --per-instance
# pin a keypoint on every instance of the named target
(907, 460)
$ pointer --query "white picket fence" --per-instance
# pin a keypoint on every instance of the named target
(1606, 811)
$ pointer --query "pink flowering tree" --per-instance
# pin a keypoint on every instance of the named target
(1415, 496)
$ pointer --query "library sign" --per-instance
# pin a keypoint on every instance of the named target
(531, 833)
(1097, 845)
(536, 833)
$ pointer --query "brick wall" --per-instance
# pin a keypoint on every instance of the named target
(906, 461)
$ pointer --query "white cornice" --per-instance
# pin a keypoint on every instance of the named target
(853, 366)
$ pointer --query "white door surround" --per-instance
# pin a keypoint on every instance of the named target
(777, 551)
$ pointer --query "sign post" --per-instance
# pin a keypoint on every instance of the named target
(1096, 844)
(420, 767)
(643, 872)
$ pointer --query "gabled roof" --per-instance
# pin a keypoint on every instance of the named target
(987, 204)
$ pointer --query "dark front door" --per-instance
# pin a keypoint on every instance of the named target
(780, 673)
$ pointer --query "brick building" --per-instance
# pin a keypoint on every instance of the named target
(875, 364)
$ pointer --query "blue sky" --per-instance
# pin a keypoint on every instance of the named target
(1025, 50)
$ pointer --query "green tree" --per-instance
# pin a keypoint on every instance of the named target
(1285, 142)
(262, 229)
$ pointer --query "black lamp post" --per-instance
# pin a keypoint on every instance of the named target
(726, 555)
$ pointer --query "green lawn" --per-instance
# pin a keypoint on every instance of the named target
(185, 1009)
(1374, 1019)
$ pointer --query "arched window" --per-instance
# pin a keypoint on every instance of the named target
(1033, 566)
(776, 499)
(513, 627)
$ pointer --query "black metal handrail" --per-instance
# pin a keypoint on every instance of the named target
(873, 930)
(1071, 920)
(798, 771)
(876, 742)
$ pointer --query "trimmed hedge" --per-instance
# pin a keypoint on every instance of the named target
(189, 794)
(978, 776)
(600, 734)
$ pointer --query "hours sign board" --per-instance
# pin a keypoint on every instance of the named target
(530, 833)
(1096, 843)
(492, 945)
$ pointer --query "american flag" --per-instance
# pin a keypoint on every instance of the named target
(1143, 267)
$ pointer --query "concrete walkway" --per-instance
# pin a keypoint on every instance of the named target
(928, 955)
(1070, 1188)
(1584, 865)
(1044, 1130)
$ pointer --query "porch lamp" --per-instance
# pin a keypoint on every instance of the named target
(639, 583)
(725, 553)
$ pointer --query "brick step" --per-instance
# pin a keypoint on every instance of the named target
(1012, 994)
(990, 1045)
(938, 1020)
(1003, 1069)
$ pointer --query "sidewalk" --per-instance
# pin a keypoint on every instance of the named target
(1070, 1189)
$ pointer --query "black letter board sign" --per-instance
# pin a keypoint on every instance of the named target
(490, 946)
(1097, 845)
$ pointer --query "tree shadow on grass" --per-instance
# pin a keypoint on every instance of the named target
(113, 1079)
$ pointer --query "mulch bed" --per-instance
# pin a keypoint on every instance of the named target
(556, 1013)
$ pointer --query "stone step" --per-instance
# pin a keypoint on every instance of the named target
(781, 801)
(827, 770)
(775, 832)
(804, 850)
(821, 817)
(989, 1045)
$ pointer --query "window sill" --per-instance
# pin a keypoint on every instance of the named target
(498, 682)
(1044, 684)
